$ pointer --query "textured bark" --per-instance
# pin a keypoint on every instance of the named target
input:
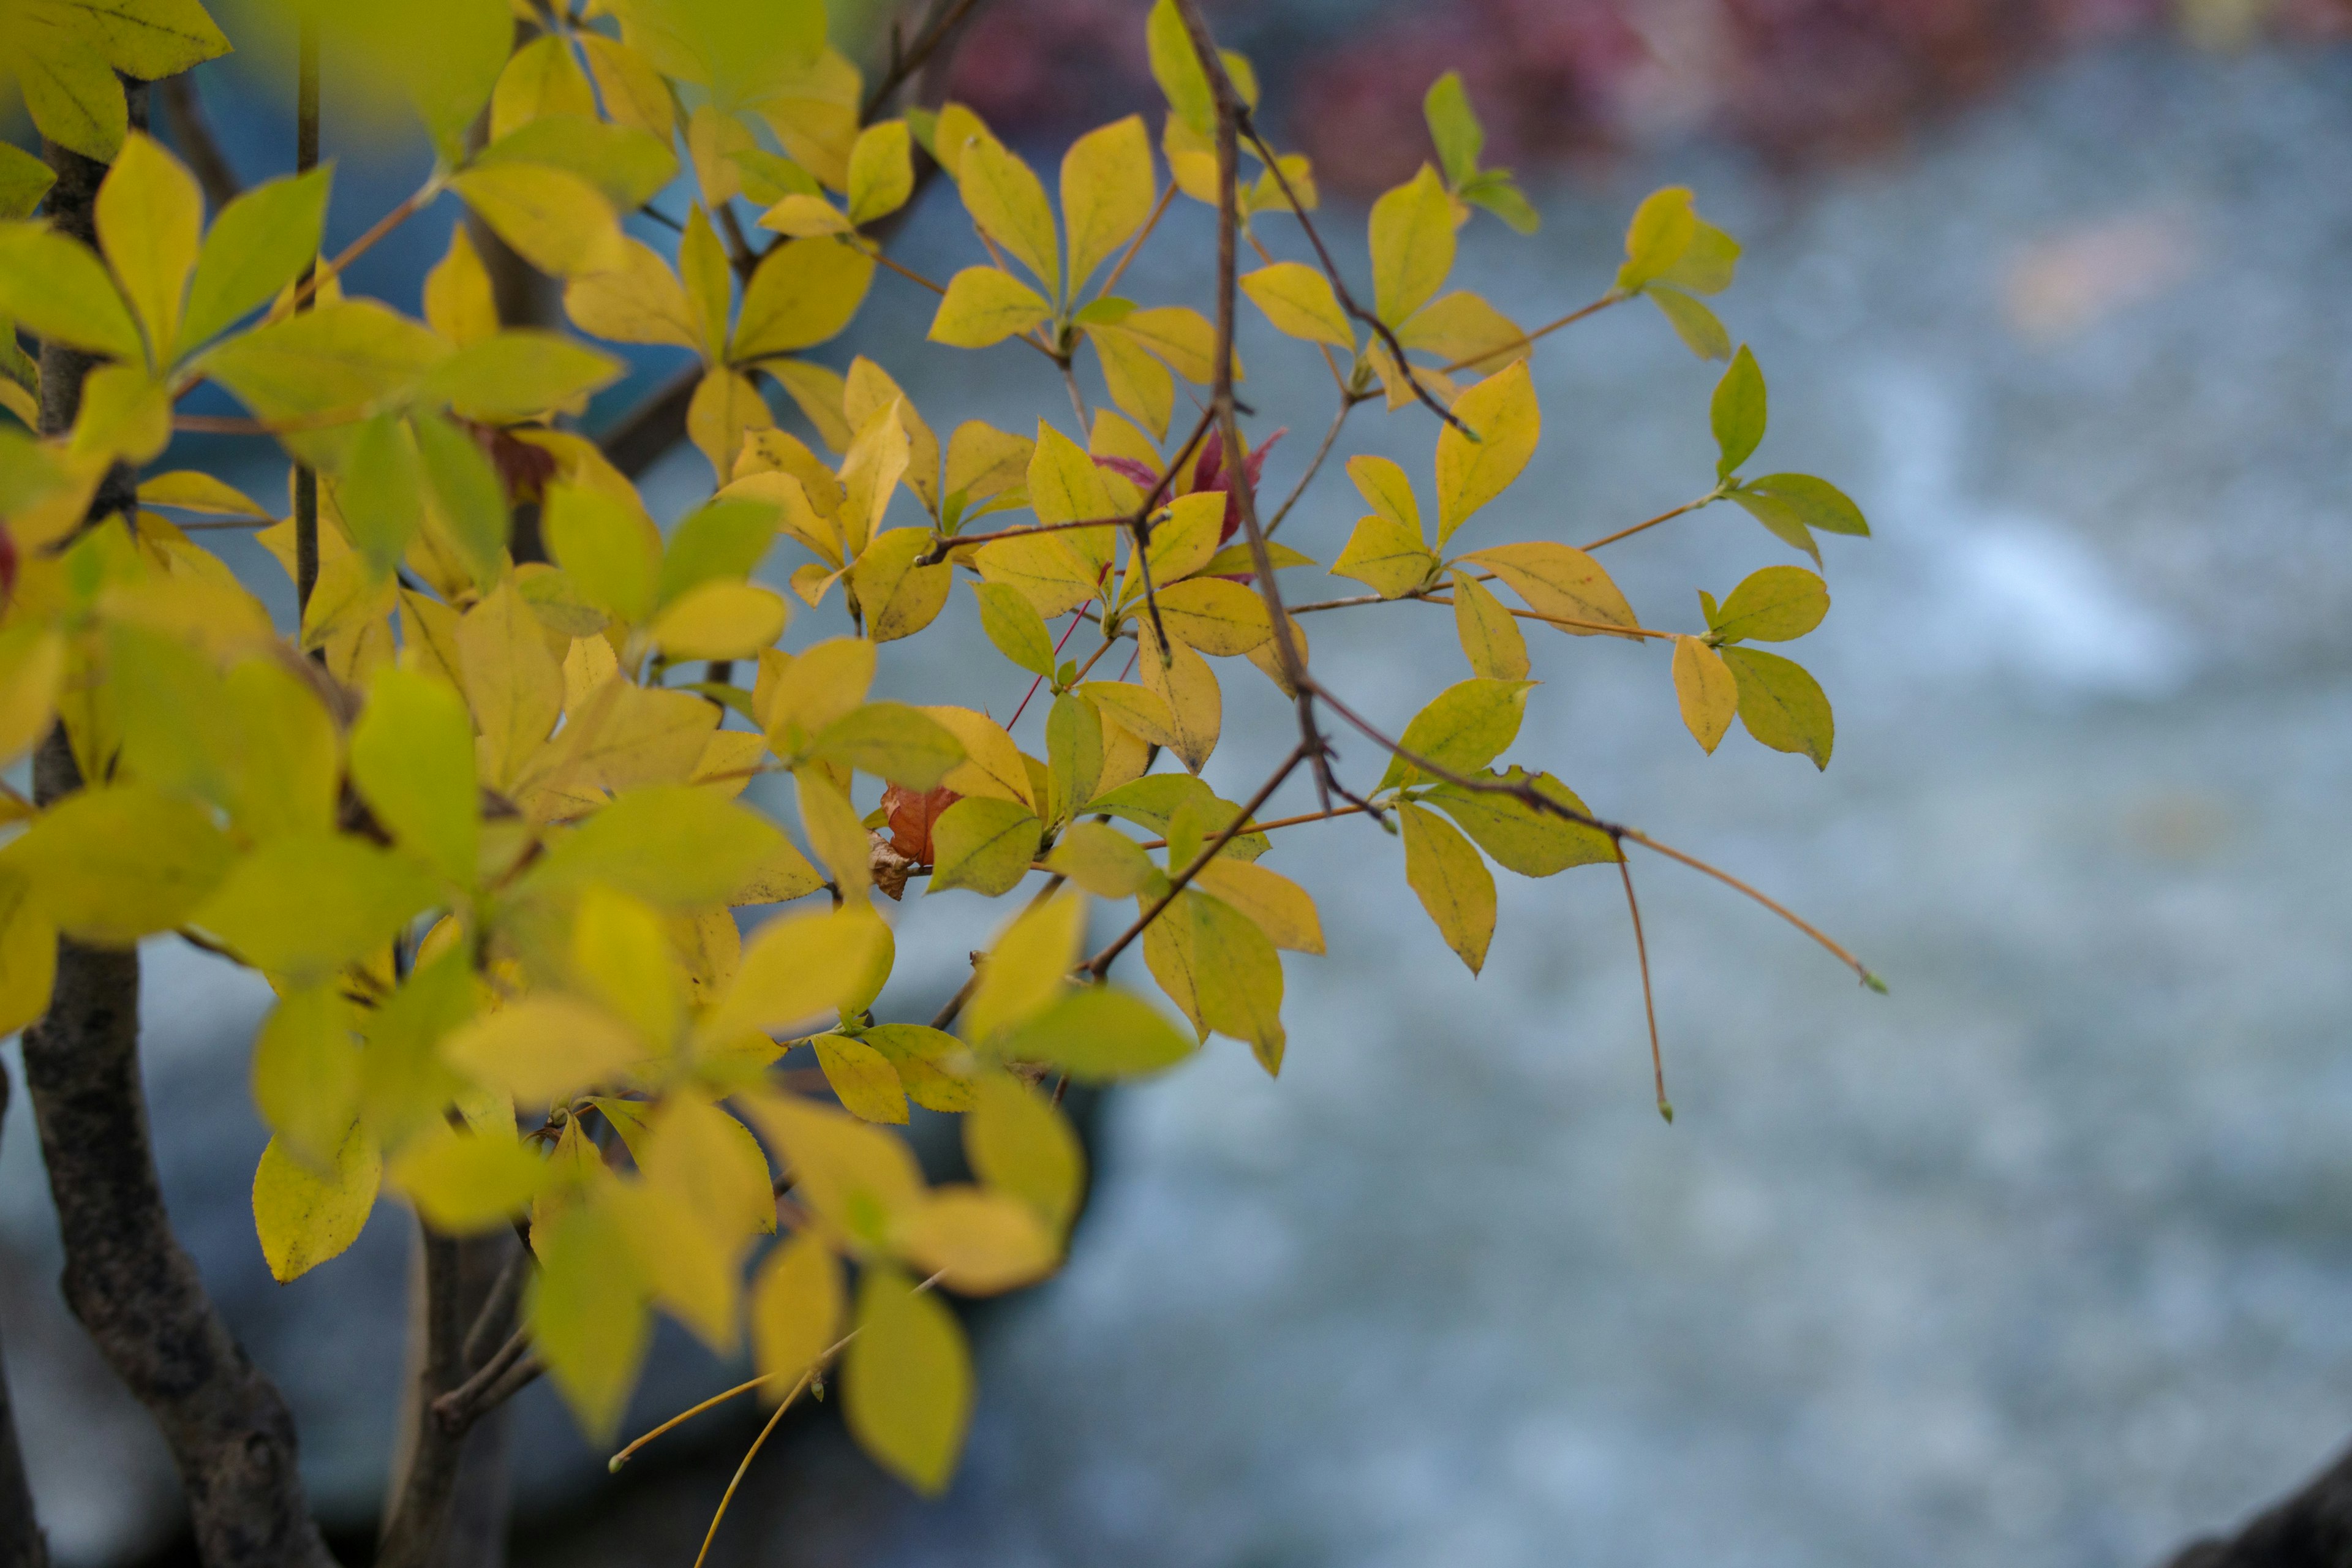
(448, 1492)
(127, 1281)
(2312, 1528)
(21, 1543)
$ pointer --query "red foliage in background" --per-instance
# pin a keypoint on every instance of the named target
(1557, 79)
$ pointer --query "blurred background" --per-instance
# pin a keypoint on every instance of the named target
(2046, 1259)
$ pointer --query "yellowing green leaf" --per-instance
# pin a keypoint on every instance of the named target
(721, 620)
(859, 1177)
(305, 1215)
(1705, 690)
(24, 180)
(1489, 633)
(1279, 906)
(893, 741)
(1662, 230)
(1098, 1034)
(797, 1303)
(28, 951)
(984, 305)
(190, 489)
(512, 681)
(796, 968)
(1182, 679)
(908, 1394)
(978, 1242)
(932, 1064)
(1461, 329)
(1781, 704)
(56, 287)
(881, 172)
(1106, 193)
(1386, 556)
(341, 356)
(466, 1183)
(544, 1048)
(634, 299)
(1502, 410)
(1018, 1143)
(1176, 66)
(983, 844)
(898, 596)
(834, 831)
(805, 291)
(1463, 728)
(149, 219)
(1792, 504)
(674, 845)
(113, 865)
(1215, 963)
(306, 1073)
(1008, 203)
(611, 550)
(861, 1079)
(992, 764)
(1452, 882)
(1520, 838)
(1693, 323)
(1737, 412)
(1454, 127)
(587, 1313)
(1215, 617)
(520, 374)
(1412, 245)
(554, 219)
(1027, 967)
(1013, 624)
(1776, 604)
(32, 666)
(1103, 860)
(1561, 583)
(1297, 298)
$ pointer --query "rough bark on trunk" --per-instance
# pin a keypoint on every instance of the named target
(2311, 1529)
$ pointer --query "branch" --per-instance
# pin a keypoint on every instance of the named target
(945, 19)
(424, 1480)
(194, 134)
(21, 1543)
(1347, 402)
(2311, 1529)
(1649, 997)
(1524, 338)
(134, 1289)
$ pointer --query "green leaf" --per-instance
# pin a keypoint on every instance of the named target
(1708, 262)
(984, 305)
(381, 494)
(1297, 298)
(1463, 728)
(1737, 412)
(1098, 1034)
(1520, 838)
(1499, 192)
(611, 552)
(983, 844)
(893, 741)
(1452, 882)
(908, 1381)
(114, 864)
(1176, 67)
(24, 180)
(1385, 556)
(258, 243)
(520, 374)
(57, 288)
(1792, 504)
(413, 762)
(628, 166)
(473, 501)
(720, 540)
(1781, 704)
(1662, 229)
(1412, 245)
(1775, 604)
(1454, 127)
(671, 845)
(587, 1313)
(1013, 624)
(340, 358)
(1693, 323)
(1216, 963)
(308, 904)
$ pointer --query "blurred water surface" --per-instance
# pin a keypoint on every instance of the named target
(2043, 1259)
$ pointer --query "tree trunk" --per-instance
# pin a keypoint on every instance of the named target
(21, 1543)
(2312, 1528)
(127, 1279)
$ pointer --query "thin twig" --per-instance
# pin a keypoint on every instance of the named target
(904, 66)
(306, 478)
(1711, 496)
(466, 1404)
(1649, 998)
(1158, 211)
(1300, 820)
(1602, 303)
(1347, 406)
(751, 1454)
(1077, 398)
(907, 272)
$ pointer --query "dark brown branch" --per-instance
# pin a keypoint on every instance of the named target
(466, 1403)
(1347, 402)
(2311, 1529)
(306, 478)
(947, 16)
(192, 131)
(425, 1478)
(22, 1544)
(1649, 996)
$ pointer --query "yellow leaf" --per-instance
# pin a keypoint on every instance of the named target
(1136, 709)
(466, 1183)
(1138, 383)
(984, 306)
(1280, 906)
(412, 762)
(259, 243)
(1214, 616)
(1297, 298)
(861, 1079)
(634, 92)
(1412, 245)
(797, 1303)
(149, 219)
(1781, 704)
(28, 951)
(1182, 679)
(1461, 329)
(992, 764)
(1008, 203)
(542, 78)
(908, 1396)
(984, 463)
(305, 1216)
(125, 413)
(56, 288)
(32, 666)
(721, 620)
(1097, 1035)
(1560, 582)
(858, 1179)
(1778, 603)
(881, 171)
(797, 968)
(1520, 838)
(512, 681)
(1463, 728)
(1043, 567)
(191, 489)
(810, 691)
(621, 956)
(979, 1243)
(805, 291)
(587, 1313)
(1452, 882)
(1182, 337)
(555, 220)
(1385, 556)
(1106, 193)
(544, 1048)
(1386, 490)
(634, 300)
(306, 1073)
(609, 549)
(725, 408)
(1707, 690)
(893, 741)
(1490, 635)
(1018, 1143)
(806, 216)
(111, 865)
(712, 1164)
(1502, 410)
(674, 845)
(834, 831)
(983, 844)
(1027, 966)
(1663, 228)
(816, 392)
(877, 460)
(1215, 963)
(899, 598)
(1103, 860)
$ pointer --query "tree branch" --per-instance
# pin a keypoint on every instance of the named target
(463, 1294)
(2311, 1529)
(194, 134)
(127, 1281)
(22, 1544)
